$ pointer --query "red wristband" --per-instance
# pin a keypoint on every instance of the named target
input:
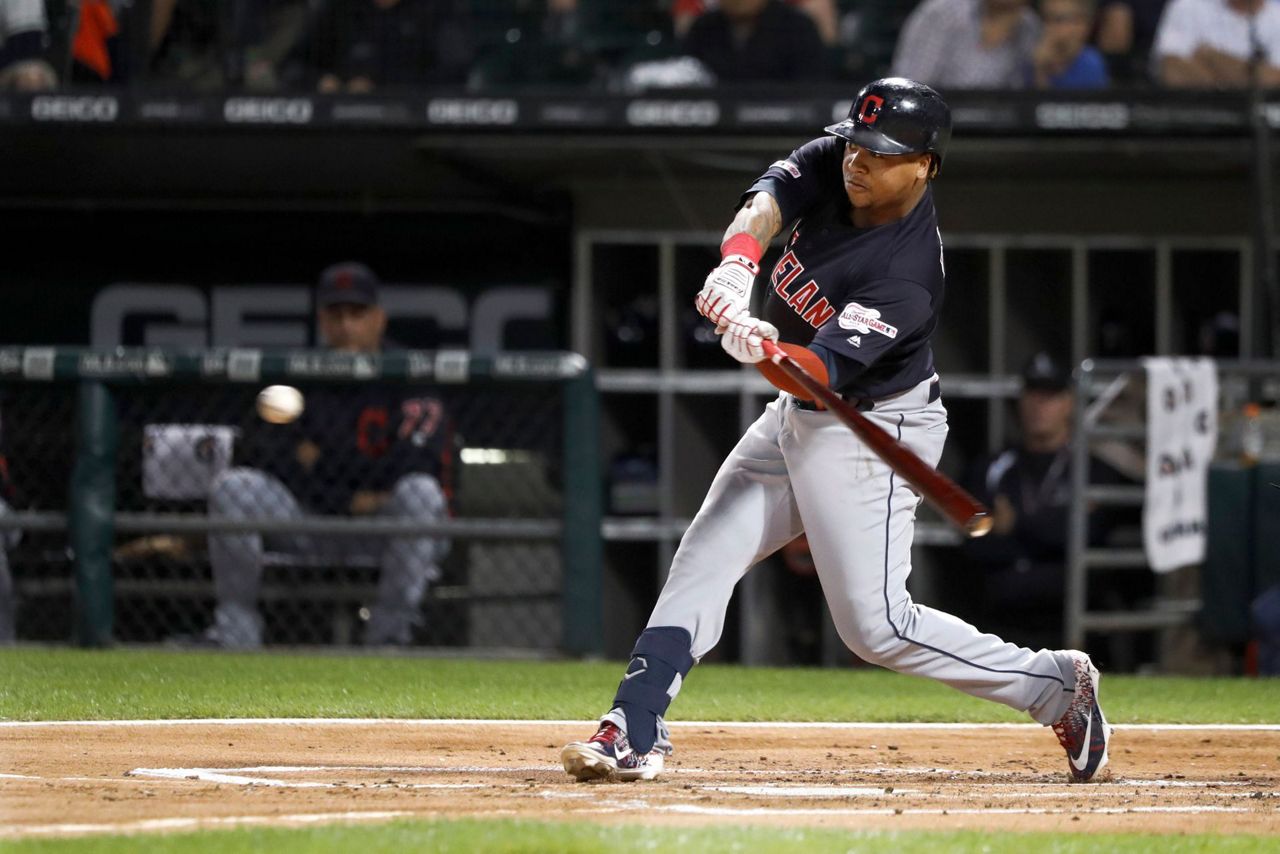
(742, 244)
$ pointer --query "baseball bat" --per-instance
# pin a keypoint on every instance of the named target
(953, 502)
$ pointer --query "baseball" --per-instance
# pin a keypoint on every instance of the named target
(279, 404)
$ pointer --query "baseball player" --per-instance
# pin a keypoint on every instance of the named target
(854, 298)
(368, 451)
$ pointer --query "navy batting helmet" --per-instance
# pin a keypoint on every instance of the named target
(895, 115)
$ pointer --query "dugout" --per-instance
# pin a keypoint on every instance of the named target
(1070, 208)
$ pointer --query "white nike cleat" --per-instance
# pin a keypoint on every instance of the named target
(607, 755)
(1082, 730)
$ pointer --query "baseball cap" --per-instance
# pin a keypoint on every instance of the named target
(349, 282)
(1045, 373)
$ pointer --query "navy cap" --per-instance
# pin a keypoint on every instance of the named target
(350, 282)
(1045, 373)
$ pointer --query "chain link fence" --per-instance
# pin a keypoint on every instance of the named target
(420, 499)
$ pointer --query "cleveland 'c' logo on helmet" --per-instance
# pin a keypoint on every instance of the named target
(870, 109)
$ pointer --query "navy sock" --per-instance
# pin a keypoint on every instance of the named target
(659, 662)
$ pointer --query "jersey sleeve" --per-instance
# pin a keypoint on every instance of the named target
(800, 180)
(865, 330)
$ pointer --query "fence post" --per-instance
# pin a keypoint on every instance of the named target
(582, 618)
(92, 512)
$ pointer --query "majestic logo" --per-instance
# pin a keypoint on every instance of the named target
(865, 320)
(855, 340)
(790, 168)
(804, 300)
(869, 112)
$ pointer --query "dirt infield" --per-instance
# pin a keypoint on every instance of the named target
(68, 779)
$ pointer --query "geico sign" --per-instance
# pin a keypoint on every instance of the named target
(472, 111)
(282, 316)
(673, 113)
(68, 108)
(1083, 116)
(275, 111)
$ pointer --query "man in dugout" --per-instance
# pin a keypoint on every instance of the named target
(1028, 488)
(363, 450)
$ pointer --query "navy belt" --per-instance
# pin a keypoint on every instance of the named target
(866, 404)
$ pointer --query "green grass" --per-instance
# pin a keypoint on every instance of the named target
(66, 684)
(510, 837)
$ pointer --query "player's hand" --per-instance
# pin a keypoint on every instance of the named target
(744, 336)
(366, 502)
(307, 453)
(1003, 516)
(727, 291)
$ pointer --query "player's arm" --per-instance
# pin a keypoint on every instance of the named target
(1187, 72)
(759, 218)
(727, 290)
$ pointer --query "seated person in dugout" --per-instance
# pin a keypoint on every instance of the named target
(1028, 488)
(367, 451)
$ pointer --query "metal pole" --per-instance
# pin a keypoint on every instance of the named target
(1268, 300)
(582, 618)
(1077, 529)
(92, 513)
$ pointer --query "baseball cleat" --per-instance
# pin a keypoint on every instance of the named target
(1082, 730)
(607, 755)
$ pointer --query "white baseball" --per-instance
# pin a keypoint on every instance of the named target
(279, 404)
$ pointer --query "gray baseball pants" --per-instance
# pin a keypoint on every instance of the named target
(407, 564)
(802, 470)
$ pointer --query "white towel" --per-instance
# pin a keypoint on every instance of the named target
(1182, 432)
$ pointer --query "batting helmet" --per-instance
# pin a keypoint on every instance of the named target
(895, 115)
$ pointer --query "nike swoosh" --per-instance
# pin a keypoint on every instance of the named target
(631, 674)
(1083, 760)
(623, 754)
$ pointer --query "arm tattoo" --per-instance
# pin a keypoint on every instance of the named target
(760, 217)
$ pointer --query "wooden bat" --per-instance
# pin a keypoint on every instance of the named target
(958, 506)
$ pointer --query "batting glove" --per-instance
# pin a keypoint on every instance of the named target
(727, 291)
(744, 338)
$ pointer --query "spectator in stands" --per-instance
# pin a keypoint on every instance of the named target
(1126, 29)
(368, 451)
(207, 44)
(756, 41)
(1063, 58)
(968, 44)
(1028, 488)
(23, 29)
(1207, 44)
(825, 15)
(358, 46)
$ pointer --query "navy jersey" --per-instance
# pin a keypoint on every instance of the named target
(866, 300)
(369, 437)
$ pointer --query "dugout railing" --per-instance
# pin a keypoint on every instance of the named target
(1109, 421)
(525, 529)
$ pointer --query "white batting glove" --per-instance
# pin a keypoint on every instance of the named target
(744, 338)
(727, 291)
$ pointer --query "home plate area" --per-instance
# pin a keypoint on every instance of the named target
(163, 776)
